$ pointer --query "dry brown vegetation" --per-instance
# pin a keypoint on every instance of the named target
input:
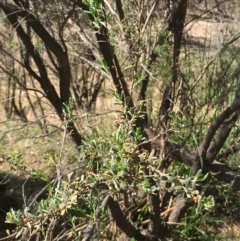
(142, 65)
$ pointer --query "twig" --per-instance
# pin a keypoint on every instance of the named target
(175, 223)
(89, 231)
(8, 237)
(78, 229)
(148, 17)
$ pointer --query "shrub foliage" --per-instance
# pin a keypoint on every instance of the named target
(158, 174)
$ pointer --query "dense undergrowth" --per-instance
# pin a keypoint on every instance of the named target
(165, 167)
(72, 204)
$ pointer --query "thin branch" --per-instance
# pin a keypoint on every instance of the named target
(149, 16)
(230, 151)
(97, 68)
(19, 83)
(221, 137)
(89, 231)
(121, 15)
(186, 155)
(111, 59)
(218, 121)
(49, 41)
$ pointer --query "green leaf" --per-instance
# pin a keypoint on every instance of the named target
(179, 192)
(208, 202)
(202, 177)
(164, 178)
(188, 199)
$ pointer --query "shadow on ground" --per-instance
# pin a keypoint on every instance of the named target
(16, 192)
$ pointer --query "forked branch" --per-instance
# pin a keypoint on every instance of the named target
(222, 119)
